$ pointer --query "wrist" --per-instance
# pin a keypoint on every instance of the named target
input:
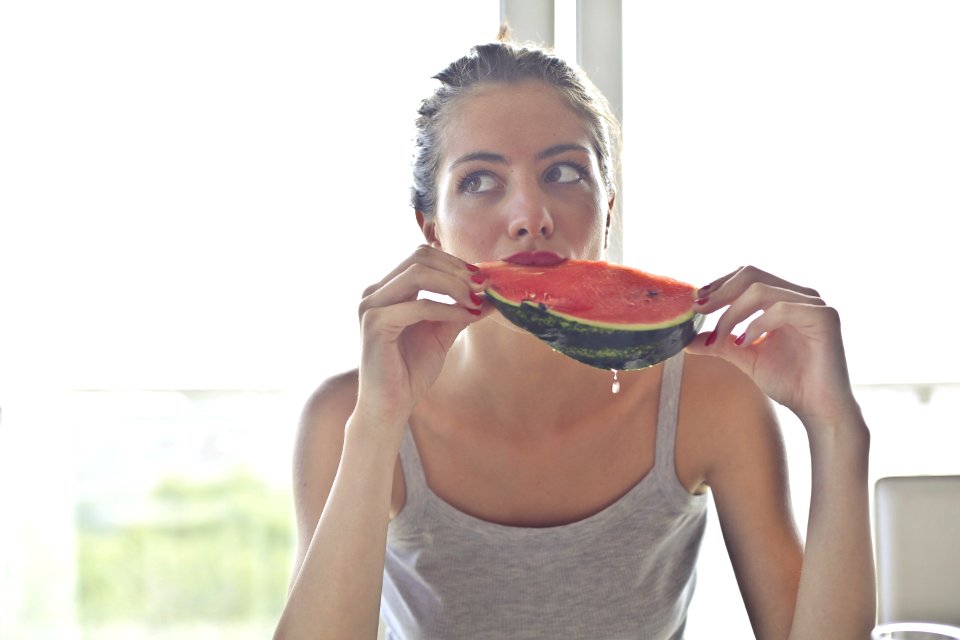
(844, 433)
(842, 412)
(369, 426)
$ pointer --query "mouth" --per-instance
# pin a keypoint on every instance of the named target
(535, 258)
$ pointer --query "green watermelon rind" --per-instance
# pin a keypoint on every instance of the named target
(672, 322)
(602, 345)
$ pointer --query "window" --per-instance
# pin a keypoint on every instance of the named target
(192, 196)
(817, 141)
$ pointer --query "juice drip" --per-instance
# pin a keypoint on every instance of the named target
(615, 387)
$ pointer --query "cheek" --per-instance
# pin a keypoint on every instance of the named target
(473, 233)
(593, 215)
(468, 237)
(592, 229)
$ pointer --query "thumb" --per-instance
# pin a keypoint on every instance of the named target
(726, 348)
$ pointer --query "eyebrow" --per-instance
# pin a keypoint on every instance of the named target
(485, 156)
(561, 148)
(496, 158)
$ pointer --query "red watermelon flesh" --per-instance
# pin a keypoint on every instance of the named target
(594, 292)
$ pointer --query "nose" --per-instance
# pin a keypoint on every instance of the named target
(519, 230)
(529, 216)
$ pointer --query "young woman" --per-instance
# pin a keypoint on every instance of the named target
(469, 482)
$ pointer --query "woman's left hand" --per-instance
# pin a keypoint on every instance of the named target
(793, 349)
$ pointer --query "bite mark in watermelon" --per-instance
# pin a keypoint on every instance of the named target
(605, 315)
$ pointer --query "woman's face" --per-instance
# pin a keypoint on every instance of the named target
(518, 173)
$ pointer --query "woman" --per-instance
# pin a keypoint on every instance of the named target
(489, 487)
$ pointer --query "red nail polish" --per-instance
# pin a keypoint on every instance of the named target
(711, 338)
(479, 279)
(701, 300)
(475, 312)
(472, 267)
(739, 340)
(477, 300)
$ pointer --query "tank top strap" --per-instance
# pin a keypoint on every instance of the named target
(668, 413)
(414, 478)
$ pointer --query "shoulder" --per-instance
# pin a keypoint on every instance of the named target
(319, 442)
(334, 398)
(317, 451)
(727, 418)
(717, 388)
(322, 420)
(740, 454)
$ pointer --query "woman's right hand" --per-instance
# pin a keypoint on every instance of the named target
(405, 338)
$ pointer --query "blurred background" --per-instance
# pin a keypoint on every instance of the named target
(194, 194)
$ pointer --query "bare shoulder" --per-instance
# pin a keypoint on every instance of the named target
(319, 440)
(334, 398)
(319, 445)
(717, 379)
(726, 418)
(735, 443)
(719, 387)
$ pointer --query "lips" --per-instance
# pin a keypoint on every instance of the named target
(535, 258)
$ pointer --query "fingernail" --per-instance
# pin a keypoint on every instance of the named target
(475, 312)
(477, 300)
(703, 291)
(711, 338)
(472, 267)
(739, 340)
(479, 278)
(702, 300)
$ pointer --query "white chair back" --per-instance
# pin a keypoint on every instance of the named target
(918, 556)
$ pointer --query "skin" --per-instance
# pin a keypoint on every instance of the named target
(517, 173)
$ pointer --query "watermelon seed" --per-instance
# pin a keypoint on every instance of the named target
(615, 387)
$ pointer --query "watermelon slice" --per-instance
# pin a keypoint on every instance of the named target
(604, 315)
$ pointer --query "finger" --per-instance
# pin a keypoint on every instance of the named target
(758, 297)
(705, 291)
(733, 285)
(427, 255)
(709, 344)
(417, 277)
(809, 319)
(389, 322)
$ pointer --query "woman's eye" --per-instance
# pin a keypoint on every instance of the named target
(477, 183)
(563, 173)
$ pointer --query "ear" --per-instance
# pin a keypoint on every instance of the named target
(606, 235)
(429, 230)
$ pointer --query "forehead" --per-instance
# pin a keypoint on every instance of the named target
(512, 119)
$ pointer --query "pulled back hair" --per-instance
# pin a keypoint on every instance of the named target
(506, 62)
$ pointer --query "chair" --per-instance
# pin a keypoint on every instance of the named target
(918, 557)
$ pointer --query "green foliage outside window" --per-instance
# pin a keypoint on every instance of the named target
(215, 552)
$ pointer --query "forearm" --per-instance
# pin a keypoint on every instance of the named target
(336, 593)
(837, 594)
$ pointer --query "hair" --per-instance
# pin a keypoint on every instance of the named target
(507, 62)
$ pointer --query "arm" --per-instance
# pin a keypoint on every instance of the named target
(342, 485)
(794, 353)
(837, 591)
(348, 443)
(744, 463)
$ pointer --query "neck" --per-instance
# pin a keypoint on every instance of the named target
(519, 382)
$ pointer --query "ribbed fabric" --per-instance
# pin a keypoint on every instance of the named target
(626, 572)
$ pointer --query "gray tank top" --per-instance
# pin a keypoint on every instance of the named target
(627, 571)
